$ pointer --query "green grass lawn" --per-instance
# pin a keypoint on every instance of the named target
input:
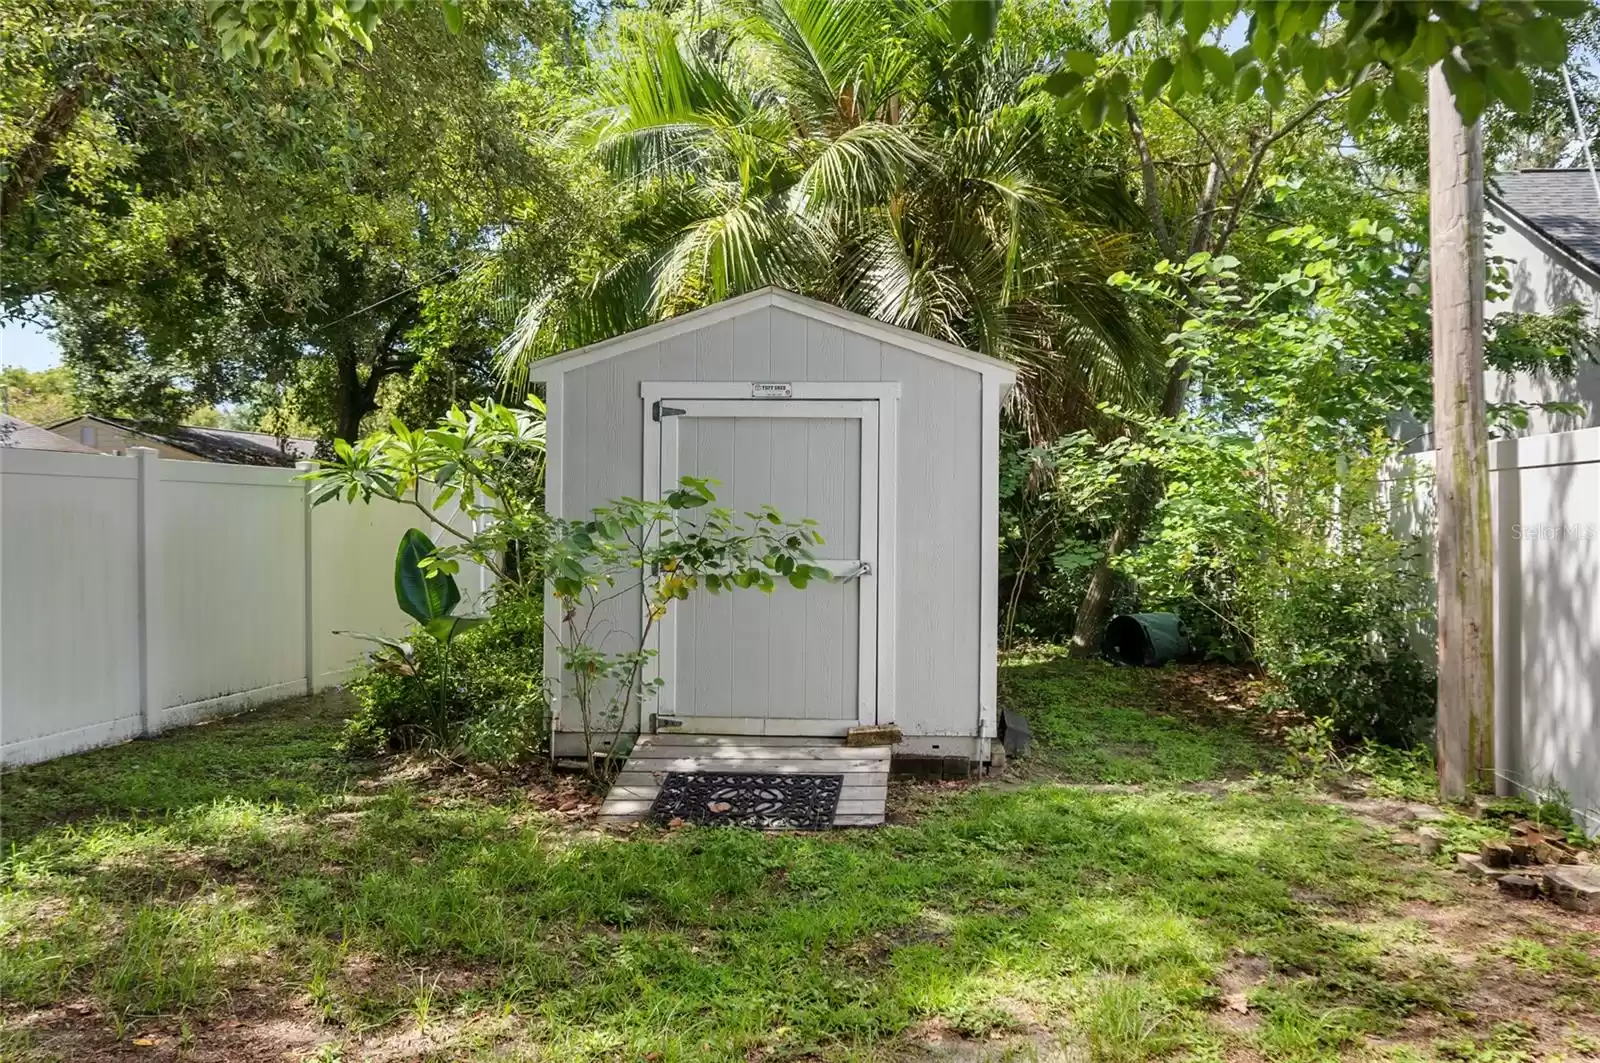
(236, 892)
(1099, 724)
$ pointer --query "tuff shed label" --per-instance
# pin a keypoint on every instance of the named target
(772, 391)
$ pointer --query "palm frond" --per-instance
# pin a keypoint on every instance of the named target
(664, 103)
(834, 58)
(883, 156)
(614, 301)
(858, 169)
(885, 277)
(750, 245)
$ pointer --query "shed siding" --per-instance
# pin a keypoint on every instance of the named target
(938, 542)
(938, 569)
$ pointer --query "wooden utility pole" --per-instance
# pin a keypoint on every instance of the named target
(1465, 751)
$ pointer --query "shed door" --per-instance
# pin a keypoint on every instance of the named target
(793, 662)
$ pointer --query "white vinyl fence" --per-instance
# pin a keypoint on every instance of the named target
(1547, 607)
(138, 594)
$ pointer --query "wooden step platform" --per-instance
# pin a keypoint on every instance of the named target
(865, 770)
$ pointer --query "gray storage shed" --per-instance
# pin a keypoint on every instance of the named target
(889, 439)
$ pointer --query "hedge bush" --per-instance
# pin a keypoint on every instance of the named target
(494, 699)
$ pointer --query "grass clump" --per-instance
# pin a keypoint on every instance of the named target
(1094, 722)
(1127, 1021)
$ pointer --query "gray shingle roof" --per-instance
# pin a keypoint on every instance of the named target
(1560, 204)
(216, 444)
(15, 432)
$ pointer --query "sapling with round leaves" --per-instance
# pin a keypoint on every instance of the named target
(666, 550)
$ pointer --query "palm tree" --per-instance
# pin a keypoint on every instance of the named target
(888, 158)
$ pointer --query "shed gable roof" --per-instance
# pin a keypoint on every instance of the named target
(548, 368)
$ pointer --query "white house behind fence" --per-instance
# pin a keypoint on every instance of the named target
(1549, 231)
(139, 593)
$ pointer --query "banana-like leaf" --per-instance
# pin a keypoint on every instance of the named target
(400, 646)
(401, 660)
(423, 597)
(446, 628)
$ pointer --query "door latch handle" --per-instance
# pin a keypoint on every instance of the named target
(864, 570)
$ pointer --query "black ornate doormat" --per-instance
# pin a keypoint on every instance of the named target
(766, 802)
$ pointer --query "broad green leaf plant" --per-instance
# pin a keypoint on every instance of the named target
(429, 595)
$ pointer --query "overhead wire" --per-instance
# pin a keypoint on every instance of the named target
(458, 267)
(1583, 132)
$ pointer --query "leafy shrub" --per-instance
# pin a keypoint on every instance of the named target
(493, 707)
(1407, 774)
(1334, 628)
(1057, 501)
(1285, 556)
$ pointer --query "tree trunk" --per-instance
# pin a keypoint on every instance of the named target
(1465, 735)
(1091, 616)
(1090, 620)
(35, 158)
(354, 399)
(358, 396)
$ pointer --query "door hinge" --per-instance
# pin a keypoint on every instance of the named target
(659, 410)
(664, 723)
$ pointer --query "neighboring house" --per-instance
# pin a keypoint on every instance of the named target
(15, 432)
(114, 435)
(1551, 237)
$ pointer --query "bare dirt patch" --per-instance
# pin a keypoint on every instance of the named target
(1236, 981)
(565, 794)
(251, 1031)
(1531, 977)
(936, 1042)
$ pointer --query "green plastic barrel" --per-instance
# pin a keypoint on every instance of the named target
(1147, 639)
